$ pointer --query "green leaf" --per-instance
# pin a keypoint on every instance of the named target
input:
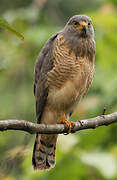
(4, 24)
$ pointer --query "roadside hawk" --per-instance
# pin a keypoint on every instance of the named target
(64, 71)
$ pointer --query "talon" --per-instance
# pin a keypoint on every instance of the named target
(67, 124)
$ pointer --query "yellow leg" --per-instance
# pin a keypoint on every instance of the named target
(69, 124)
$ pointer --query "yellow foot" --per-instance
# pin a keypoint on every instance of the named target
(67, 124)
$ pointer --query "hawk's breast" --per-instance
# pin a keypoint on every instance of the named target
(70, 78)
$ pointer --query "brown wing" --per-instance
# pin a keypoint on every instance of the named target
(43, 65)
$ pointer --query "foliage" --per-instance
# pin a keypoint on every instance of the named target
(87, 155)
(4, 24)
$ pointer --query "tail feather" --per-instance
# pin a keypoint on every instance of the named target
(44, 152)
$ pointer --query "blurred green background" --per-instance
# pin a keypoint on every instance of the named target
(85, 155)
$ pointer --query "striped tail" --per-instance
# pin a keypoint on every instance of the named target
(44, 152)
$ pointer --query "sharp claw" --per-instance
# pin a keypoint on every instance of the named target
(68, 124)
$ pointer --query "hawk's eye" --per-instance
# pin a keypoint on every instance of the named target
(89, 23)
(75, 23)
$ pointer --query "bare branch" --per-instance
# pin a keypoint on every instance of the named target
(33, 128)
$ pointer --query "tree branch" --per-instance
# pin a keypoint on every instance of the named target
(33, 128)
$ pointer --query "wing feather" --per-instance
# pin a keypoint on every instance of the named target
(43, 65)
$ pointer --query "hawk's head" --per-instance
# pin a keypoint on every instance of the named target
(80, 26)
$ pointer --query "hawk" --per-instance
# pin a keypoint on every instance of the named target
(64, 71)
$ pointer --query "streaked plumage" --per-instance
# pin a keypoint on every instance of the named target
(63, 73)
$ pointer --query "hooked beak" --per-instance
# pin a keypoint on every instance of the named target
(84, 29)
(83, 26)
